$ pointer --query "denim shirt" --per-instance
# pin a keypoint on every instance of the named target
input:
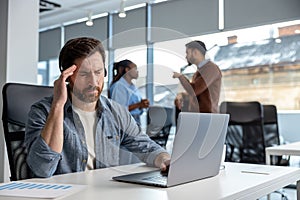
(116, 128)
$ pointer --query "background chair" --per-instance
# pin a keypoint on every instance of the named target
(271, 131)
(159, 123)
(245, 136)
(17, 100)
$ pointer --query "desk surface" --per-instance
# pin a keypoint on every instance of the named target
(285, 149)
(231, 183)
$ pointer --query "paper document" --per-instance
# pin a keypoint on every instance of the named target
(38, 190)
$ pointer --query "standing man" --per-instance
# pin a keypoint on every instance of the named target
(77, 128)
(203, 92)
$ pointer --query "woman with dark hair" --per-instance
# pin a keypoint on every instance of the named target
(123, 91)
(118, 72)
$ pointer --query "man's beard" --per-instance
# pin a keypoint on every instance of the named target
(84, 96)
(190, 61)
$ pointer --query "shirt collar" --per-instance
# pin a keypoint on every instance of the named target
(122, 80)
(202, 63)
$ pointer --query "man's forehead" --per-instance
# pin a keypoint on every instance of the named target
(93, 60)
(93, 57)
(188, 50)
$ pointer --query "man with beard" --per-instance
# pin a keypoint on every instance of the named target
(77, 128)
(203, 91)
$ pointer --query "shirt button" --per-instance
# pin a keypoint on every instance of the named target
(84, 161)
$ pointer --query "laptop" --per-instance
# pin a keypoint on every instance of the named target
(196, 154)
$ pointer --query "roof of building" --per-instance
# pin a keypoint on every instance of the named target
(285, 49)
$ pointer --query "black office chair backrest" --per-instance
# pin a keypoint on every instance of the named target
(159, 122)
(271, 125)
(245, 135)
(271, 130)
(17, 100)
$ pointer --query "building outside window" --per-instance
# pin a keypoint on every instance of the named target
(264, 69)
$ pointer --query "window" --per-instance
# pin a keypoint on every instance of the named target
(42, 78)
(48, 72)
(138, 55)
(54, 71)
(169, 56)
(259, 64)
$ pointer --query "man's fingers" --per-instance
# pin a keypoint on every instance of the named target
(165, 165)
(68, 72)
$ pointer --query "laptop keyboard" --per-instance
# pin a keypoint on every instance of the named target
(157, 178)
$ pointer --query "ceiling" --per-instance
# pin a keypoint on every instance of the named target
(71, 10)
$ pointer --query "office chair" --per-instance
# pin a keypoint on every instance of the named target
(159, 123)
(17, 100)
(245, 136)
(271, 130)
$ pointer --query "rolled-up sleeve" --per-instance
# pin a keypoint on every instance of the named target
(40, 158)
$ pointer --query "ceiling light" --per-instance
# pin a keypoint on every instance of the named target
(122, 13)
(90, 22)
(278, 41)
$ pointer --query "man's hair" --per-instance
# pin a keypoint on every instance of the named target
(196, 44)
(79, 48)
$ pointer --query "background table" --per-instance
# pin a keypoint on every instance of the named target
(291, 149)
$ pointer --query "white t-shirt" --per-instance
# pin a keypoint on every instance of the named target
(88, 120)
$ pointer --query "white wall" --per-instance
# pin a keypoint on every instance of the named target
(22, 37)
(18, 53)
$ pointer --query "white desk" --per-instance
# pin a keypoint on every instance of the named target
(291, 149)
(231, 183)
